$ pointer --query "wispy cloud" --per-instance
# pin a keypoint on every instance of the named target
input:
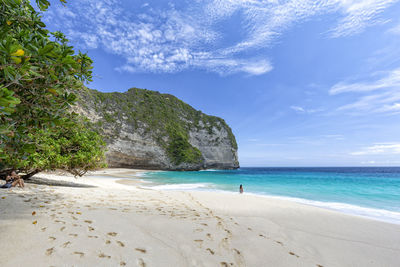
(379, 149)
(380, 95)
(395, 30)
(303, 110)
(359, 14)
(391, 79)
(159, 37)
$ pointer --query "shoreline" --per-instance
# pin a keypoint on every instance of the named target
(377, 214)
(130, 225)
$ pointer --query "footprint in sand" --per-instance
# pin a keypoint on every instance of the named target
(211, 251)
(81, 254)
(43, 229)
(140, 263)
(279, 242)
(209, 236)
(66, 244)
(87, 221)
(198, 230)
(142, 250)
(62, 228)
(199, 242)
(238, 257)
(224, 264)
(112, 233)
(228, 232)
(261, 235)
(108, 242)
(90, 228)
(293, 254)
(102, 255)
(93, 236)
(122, 263)
(49, 251)
(74, 235)
(120, 244)
(52, 238)
(224, 243)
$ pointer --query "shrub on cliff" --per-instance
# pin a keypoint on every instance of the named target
(39, 73)
(179, 149)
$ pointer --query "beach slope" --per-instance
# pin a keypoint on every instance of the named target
(106, 220)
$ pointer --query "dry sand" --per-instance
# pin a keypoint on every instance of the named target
(119, 223)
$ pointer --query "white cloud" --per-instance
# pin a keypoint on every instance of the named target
(379, 95)
(395, 30)
(379, 149)
(170, 39)
(299, 109)
(359, 14)
(391, 79)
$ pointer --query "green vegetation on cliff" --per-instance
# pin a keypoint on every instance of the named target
(165, 118)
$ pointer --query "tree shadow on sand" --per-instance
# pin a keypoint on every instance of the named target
(44, 181)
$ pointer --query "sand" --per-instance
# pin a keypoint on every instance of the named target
(117, 222)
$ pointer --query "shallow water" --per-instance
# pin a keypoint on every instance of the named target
(371, 192)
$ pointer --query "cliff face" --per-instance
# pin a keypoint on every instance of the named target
(148, 130)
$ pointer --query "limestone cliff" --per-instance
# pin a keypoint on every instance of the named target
(149, 130)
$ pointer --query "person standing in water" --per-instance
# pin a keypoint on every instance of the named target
(241, 189)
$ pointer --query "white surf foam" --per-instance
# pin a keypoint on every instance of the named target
(371, 213)
(180, 186)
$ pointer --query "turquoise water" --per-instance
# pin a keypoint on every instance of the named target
(370, 192)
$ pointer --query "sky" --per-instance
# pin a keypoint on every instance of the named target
(301, 83)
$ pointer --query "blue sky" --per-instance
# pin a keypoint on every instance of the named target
(301, 83)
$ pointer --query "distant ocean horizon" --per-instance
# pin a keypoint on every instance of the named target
(372, 192)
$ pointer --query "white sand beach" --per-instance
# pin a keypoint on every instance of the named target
(116, 222)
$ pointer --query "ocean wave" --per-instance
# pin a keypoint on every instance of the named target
(180, 186)
(370, 213)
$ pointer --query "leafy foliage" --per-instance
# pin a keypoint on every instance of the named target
(69, 146)
(39, 75)
(180, 150)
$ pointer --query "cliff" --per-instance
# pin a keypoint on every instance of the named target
(149, 130)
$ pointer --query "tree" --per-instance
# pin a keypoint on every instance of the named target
(39, 76)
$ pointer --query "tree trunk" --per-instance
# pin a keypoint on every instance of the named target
(4, 173)
(29, 175)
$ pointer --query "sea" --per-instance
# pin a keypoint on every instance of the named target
(372, 192)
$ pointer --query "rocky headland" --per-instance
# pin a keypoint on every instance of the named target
(149, 130)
